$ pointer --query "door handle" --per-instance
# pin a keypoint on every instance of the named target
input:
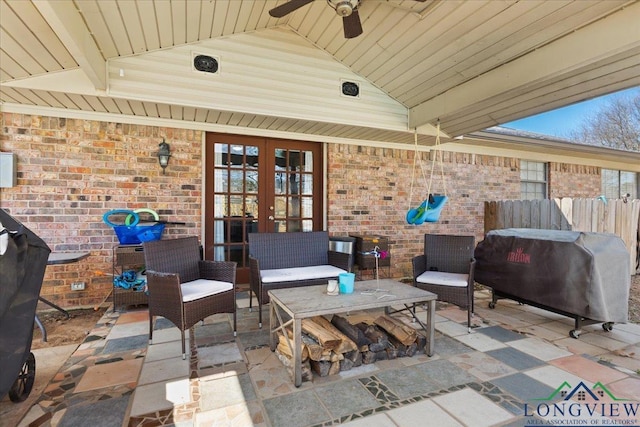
(271, 218)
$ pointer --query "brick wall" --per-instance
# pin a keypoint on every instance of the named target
(567, 180)
(370, 188)
(70, 172)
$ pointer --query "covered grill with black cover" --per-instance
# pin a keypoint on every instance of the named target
(582, 275)
(23, 260)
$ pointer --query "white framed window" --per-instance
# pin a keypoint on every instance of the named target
(616, 184)
(533, 180)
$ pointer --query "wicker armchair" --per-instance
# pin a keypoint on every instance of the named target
(185, 289)
(446, 268)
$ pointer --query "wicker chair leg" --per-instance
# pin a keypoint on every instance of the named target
(235, 325)
(150, 328)
(470, 308)
(184, 353)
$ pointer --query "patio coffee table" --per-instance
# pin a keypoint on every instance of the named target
(309, 301)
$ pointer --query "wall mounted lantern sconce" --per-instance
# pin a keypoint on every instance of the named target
(163, 155)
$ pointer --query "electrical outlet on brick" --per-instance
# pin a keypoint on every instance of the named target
(77, 286)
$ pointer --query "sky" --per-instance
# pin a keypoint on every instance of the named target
(563, 121)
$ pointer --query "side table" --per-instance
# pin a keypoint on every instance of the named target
(56, 258)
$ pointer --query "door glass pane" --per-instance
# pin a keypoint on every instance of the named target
(294, 226)
(280, 208)
(251, 207)
(220, 177)
(220, 156)
(280, 183)
(252, 182)
(234, 253)
(307, 225)
(236, 205)
(294, 160)
(237, 156)
(294, 183)
(251, 226)
(307, 207)
(307, 184)
(294, 207)
(234, 232)
(218, 237)
(236, 181)
(251, 157)
(220, 206)
(307, 164)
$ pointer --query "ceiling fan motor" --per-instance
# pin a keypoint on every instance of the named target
(347, 9)
(344, 7)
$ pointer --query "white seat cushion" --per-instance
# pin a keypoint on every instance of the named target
(443, 279)
(300, 273)
(201, 288)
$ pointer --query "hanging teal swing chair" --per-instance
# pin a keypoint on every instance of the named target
(430, 209)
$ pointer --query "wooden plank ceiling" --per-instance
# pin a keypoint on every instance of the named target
(468, 64)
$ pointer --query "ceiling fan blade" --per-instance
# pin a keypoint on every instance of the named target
(286, 8)
(352, 25)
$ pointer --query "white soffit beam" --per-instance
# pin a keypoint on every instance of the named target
(69, 26)
(602, 39)
(70, 81)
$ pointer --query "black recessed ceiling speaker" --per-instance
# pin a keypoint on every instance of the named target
(350, 89)
(348, 9)
(205, 64)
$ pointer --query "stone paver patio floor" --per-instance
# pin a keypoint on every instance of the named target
(516, 364)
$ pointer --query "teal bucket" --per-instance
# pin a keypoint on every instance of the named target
(345, 282)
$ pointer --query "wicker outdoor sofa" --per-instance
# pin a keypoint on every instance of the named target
(287, 260)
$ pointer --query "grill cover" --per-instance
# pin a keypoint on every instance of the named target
(581, 273)
(23, 260)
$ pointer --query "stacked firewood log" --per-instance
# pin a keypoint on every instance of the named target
(329, 347)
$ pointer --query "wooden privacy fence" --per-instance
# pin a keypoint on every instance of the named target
(613, 216)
